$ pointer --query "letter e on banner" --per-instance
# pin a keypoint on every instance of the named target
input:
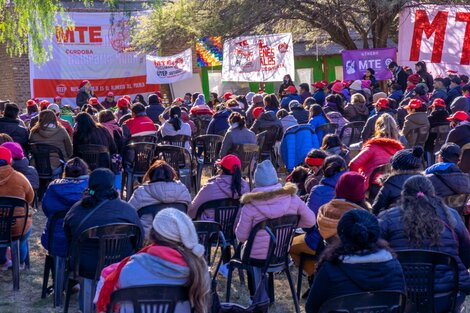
(437, 27)
(465, 17)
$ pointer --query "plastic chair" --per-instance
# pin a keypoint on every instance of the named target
(355, 130)
(150, 298)
(464, 163)
(8, 218)
(177, 140)
(202, 123)
(374, 186)
(153, 209)
(419, 268)
(95, 156)
(273, 134)
(137, 159)
(114, 242)
(328, 128)
(54, 264)
(206, 150)
(210, 234)
(142, 139)
(180, 159)
(417, 136)
(248, 154)
(283, 230)
(261, 138)
(374, 301)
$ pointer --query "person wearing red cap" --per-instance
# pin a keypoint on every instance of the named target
(140, 124)
(257, 112)
(381, 106)
(227, 96)
(460, 134)
(109, 101)
(14, 184)
(318, 93)
(85, 92)
(337, 87)
(290, 94)
(437, 117)
(31, 111)
(95, 103)
(123, 108)
(416, 119)
(226, 184)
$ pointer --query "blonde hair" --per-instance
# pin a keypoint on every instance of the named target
(386, 127)
(358, 98)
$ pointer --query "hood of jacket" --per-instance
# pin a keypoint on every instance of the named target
(67, 191)
(330, 214)
(5, 173)
(289, 119)
(224, 114)
(48, 132)
(268, 193)
(388, 144)
(268, 116)
(360, 108)
(394, 175)
(419, 119)
(166, 192)
(442, 167)
(223, 183)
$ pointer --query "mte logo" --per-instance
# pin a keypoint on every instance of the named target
(79, 35)
(61, 89)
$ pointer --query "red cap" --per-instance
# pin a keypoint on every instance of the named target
(83, 83)
(257, 112)
(383, 103)
(229, 162)
(36, 100)
(179, 99)
(337, 87)
(314, 161)
(57, 98)
(414, 79)
(128, 98)
(291, 89)
(318, 85)
(5, 155)
(324, 82)
(123, 103)
(438, 102)
(44, 104)
(346, 83)
(414, 104)
(227, 95)
(30, 103)
(459, 115)
(110, 94)
(93, 101)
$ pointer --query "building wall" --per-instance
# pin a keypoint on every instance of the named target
(14, 81)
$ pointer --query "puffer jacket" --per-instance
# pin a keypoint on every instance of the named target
(61, 195)
(287, 122)
(155, 193)
(454, 241)
(357, 112)
(154, 110)
(448, 179)
(300, 114)
(438, 93)
(267, 203)
(219, 123)
(460, 135)
(317, 121)
(236, 136)
(336, 117)
(56, 137)
(288, 98)
(296, 144)
(374, 153)
(390, 192)
(330, 214)
(264, 121)
(414, 121)
(452, 94)
(13, 128)
(29, 172)
(216, 188)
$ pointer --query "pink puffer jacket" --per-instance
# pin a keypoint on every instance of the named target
(267, 203)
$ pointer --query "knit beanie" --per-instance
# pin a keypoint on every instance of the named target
(408, 159)
(351, 187)
(358, 228)
(54, 107)
(200, 100)
(459, 104)
(356, 85)
(15, 149)
(5, 156)
(265, 174)
(294, 104)
(176, 226)
(101, 179)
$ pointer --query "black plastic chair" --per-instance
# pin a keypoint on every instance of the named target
(417, 137)
(419, 268)
(273, 134)
(248, 155)
(41, 155)
(95, 156)
(210, 234)
(149, 298)
(153, 209)
(137, 159)
(283, 230)
(355, 136)
(374, 301)
(115, 242)
(260, 138)
(439, 133)
(177, 140)
(143, 139)
(8, 218)
(328, 128)
(206, 150)
(180, 160)
(202, 123)
(54, 264)
(464, 163)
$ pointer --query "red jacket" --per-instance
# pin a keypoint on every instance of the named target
(140, 124)
(374, 153)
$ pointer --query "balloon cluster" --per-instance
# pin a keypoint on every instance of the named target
(209, 51)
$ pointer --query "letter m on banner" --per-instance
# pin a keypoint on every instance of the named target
(436, 27)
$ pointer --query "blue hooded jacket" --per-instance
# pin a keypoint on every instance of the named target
(288, 98)
(219, 122)
(297, 142)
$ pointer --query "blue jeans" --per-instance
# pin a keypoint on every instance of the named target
(23, 248)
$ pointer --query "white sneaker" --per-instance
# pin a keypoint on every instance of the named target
(223, 270)
(5, 266)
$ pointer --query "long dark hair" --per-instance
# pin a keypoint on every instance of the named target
(76, 167)
(338, 100)
(236, 185)
(333, 165)
(160, 171)
(236, 117)
(32, 109)
(46, 117)
(175, 118)
(420, 209)
(85, 125)
(271, 101)
(315, 110)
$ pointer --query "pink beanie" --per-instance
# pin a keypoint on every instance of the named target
(15, 149)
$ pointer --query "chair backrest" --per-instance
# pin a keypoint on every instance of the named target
(464, 162)
(225, 213)
(210, 233)
(9, 218)
(441, 133)
(418, 136)
(283, 229)
(53, 223)
(95, 155)
(419, 267)
(140, 156)
(378, 171)
(207, 146)
(328, 128)
(248, 153)
(113, 241)
(41, 154)
(355, 129)
(150, 298)
(155, 208)
(273, 134)
(177, 140)
(144, 139)
(367, 302)
(177, 157)
(261, 138)
(202, 123)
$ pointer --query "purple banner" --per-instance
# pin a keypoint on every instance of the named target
(355, 62)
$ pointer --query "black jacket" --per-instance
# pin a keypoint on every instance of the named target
(460, 135)
(390, 191)
(154, 110)
(82, 98)
(400, 78)
(427, 78)
(219, 123)
(264, 121)
(98, 136)
(334, 280)
(436, 118)
(12, 127)
(448, 179)
(300, 114)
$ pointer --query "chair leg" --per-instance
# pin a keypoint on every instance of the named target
(299, 276)
(229, 282)
(45, 276)
(292, 290)
(129, 186)
(59, 275)
(87, 295)
(271, 288)
(68, 291)
(200, 167)
(15, 259)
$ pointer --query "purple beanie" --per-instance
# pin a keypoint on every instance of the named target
(16, 150)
